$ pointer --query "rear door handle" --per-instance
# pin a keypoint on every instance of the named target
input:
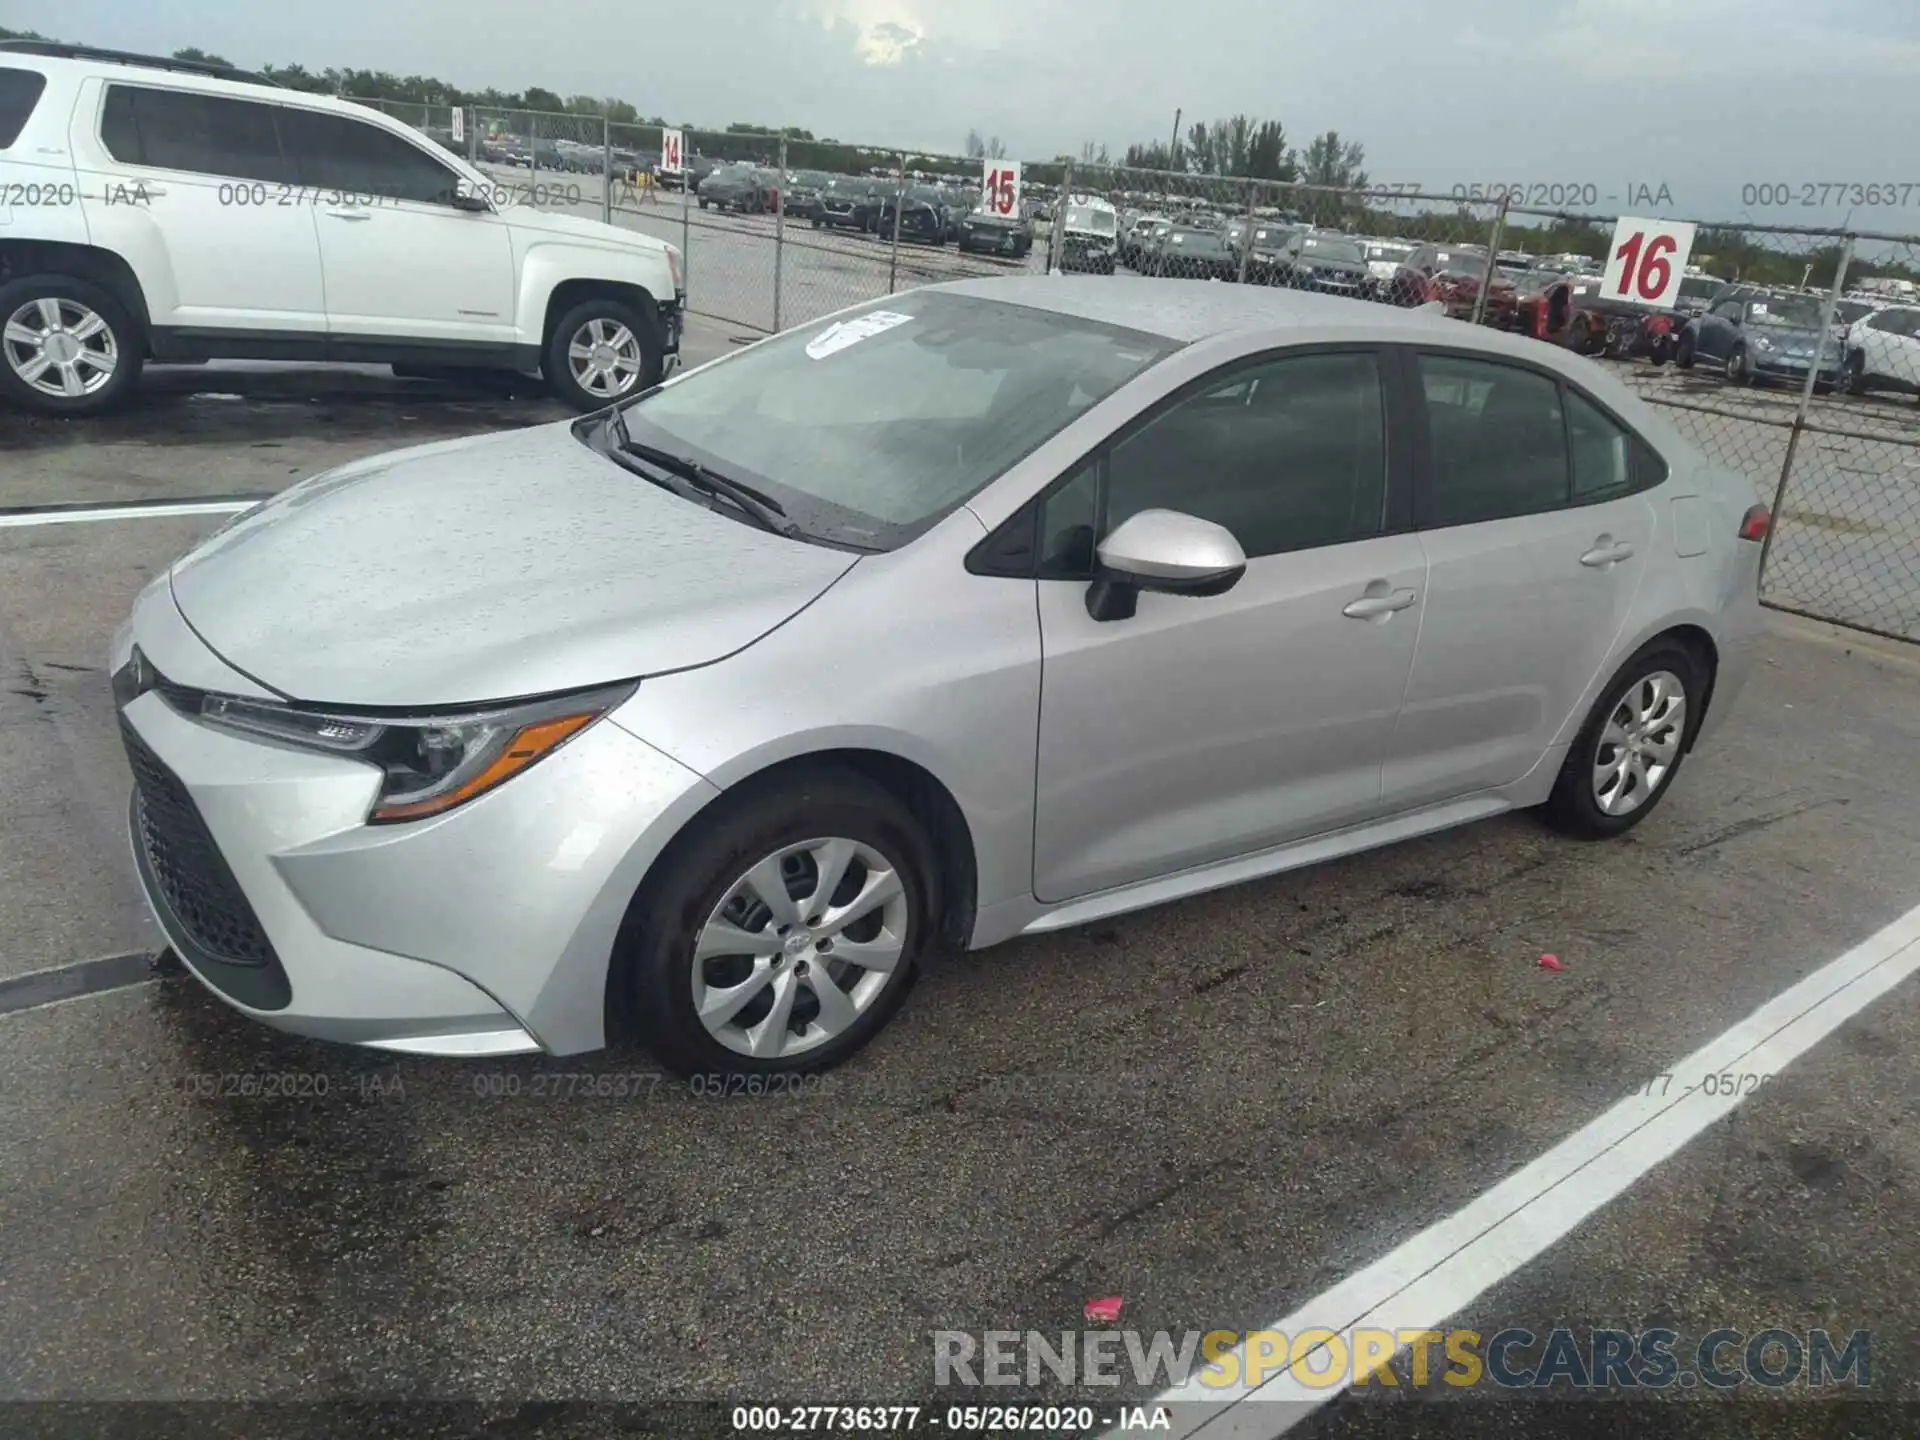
(351, 214)
(1605, 553)
(1373, 607)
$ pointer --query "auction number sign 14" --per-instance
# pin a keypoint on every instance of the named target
(671, 148)
(1000, 187)
(1647, 261)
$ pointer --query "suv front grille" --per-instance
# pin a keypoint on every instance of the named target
(186, 864)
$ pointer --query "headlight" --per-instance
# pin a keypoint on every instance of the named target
(429, 764)
(1761, 342)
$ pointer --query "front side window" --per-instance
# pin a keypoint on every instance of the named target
(1497, 442)
(339, 153)
(871, 428)
(1288, 455)
(19, 93)
(201, 134)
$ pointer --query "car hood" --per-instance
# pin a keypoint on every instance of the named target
(534, 218)
(1787, 337)
(487, 569)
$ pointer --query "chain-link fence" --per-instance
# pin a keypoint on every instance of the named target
(1791, 355)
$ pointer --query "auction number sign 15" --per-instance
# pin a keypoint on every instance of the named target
(1647, 262)
(1000, 187)
(670, 149)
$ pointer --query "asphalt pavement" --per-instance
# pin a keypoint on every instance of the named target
(1213, 1110)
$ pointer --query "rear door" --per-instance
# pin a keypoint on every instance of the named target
(193, 188)
(1536, 532)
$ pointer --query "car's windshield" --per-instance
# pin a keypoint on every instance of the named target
(1796, 312)
(1467, 262)
(869, 429)
(1698, 287)
(1329, 247)
(1388, 252)
(1085, 217)
(1845, 312)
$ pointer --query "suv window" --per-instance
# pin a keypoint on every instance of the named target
(1288, 455)
(1497, 441)
(182, 130)
(337, 152)
(19, 93)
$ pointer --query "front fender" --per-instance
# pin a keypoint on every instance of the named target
(548, 261)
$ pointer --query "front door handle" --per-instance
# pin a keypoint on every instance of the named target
(1605, 552)
(1378, 606)
(351, 214)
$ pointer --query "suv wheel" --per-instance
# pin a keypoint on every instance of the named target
(1853, 378)
(785, 933)
(66, 347)
(602, 351)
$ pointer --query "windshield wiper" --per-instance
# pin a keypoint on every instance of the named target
(762, 509)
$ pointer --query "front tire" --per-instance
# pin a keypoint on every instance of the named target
(784, 931)
(1683, 352)
(1626, 755)
(67, 347)
(602, 351)
(1853, 378)
(1739, 366)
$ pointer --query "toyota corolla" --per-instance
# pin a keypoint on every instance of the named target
(980, 611)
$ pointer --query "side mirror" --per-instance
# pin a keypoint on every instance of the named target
(463, 200)
(1163, 551)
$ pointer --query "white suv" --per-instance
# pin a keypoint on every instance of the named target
(1883, 351)
(157, 209)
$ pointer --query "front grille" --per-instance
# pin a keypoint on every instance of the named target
(186, 864)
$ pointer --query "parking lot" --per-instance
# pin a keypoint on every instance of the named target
(1217, 1110)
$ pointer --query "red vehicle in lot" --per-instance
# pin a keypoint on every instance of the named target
(1547, 309)
(1453, 275)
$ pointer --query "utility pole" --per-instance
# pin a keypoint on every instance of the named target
(1173, 149)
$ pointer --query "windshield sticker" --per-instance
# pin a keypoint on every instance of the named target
(1758, 309)
(836, 338)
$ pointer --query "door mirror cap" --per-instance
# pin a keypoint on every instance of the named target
(1164, 551)
(463, 200)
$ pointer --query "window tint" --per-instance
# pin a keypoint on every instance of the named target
(337, 152)
(1729, 309)
(19, 91)
(1497, 441)
(1602, 467)
(1287, 455)
(205, 134)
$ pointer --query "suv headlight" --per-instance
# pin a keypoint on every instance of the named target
(429, 764)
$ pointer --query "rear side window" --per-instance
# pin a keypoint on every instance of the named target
(202, 134)
(19, 93)
(1497, 439)
(337, 152)
(1602, 454)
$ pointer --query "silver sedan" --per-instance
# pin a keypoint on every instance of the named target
(979, 611)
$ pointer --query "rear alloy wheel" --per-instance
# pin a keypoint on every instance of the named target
(785, 934)
(1630, 747)
(600, 352)
(66, 347)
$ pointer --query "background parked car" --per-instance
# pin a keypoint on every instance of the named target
(1453, 275)
(746, 188)
(1384, 259)
(849, 202)
(1755, 334)
(1089, 236)
(1268, 262)
(1546, 309)
(1883, 351)
(804, 187)
(1137, 233)
(1327, 262)
(924, 216)
(995, 234)
(1196, 252)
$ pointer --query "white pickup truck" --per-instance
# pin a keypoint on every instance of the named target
(166, 210)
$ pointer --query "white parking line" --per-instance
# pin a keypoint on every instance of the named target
(81, 515)
(1445, 1268)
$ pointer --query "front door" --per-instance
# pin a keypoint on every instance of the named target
(1204, 728)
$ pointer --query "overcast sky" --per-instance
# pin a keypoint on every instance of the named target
(1701, 96)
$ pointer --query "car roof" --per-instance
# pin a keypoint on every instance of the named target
(1184, 311)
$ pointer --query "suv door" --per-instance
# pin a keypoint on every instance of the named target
(1202, 729)
(193, 190)
(401, 264)
(1530, 511)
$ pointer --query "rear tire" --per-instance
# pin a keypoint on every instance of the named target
(1853, 379)
(86, 340)
(1635, 709)
(1683, 352)
(772, 830)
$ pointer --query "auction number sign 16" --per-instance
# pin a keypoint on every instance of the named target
(1647, 261)
(1000, 187)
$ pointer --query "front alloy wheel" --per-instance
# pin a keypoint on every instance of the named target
(602, 351)
(803, 944)
(605, 358)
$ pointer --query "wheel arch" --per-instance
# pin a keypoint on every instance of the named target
(20, 259)
(569, 293)
(925, 796)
